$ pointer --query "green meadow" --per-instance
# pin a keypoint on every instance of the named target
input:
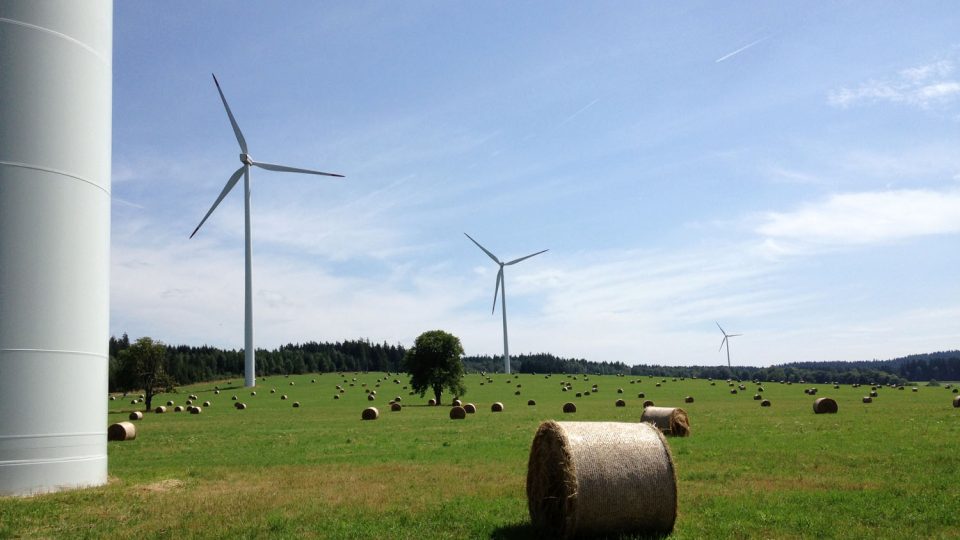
(888, 469)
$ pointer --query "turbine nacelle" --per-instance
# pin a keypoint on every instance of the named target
(245, 158)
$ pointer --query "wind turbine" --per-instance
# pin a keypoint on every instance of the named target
(244, 170)
(501, 287)
(726, 341)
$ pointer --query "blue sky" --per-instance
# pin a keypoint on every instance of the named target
(788, 169)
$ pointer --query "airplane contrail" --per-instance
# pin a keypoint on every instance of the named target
(740, 50)
(574, 115)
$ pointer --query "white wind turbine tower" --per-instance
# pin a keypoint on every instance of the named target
(726, 341)
(501, 287)
(244, 170)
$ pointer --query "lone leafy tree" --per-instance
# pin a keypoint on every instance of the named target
(434, 364)
(143, 366)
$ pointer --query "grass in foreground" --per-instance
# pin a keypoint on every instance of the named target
(886, 469)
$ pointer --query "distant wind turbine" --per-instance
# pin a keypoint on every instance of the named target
(501, 287)
(726, 341)
(244, 170)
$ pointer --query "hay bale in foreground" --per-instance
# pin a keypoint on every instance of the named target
(136, 415)
(825, 405)
(457, 413)
(121, 431)
(600, 478)
(956, 401)
(670, 420)
(496, 407)
(370, 413)
(569, 407)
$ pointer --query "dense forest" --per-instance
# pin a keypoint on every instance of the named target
(189, 364)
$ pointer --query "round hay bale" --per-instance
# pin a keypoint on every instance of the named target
(206, 403)
(283, 397)
(867, 399)
(620, 403)
(395, 407)
(121, 431)
(234, 398)
(170, 403)
(296, 404)
(160, 410)
(733, 390)
(370, 413)
(670, 420)
(398, 398)
(456, 403)
(914, 389)
(591, 479)
(240, 406)
(196, 410)
(470, 408)
(371, 397)
(825, 405)
(336, 396)
(956, 401)
(496, 407)
(688, 399)
(765, 403)
(254, 393)
(273, 390)
(517, 393)
(874, 393)
(189, 402)
(178, 408)
(216, 392)
(647, 403)
(641, 395)
(619, 390)
(432, 403)
(291, 383)
(457, 413)
(531, 402)
(136, 415)
(114, 398)
(569, 407)
(956, 390)
(757, 397)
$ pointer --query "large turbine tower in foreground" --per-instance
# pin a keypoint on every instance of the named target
(501, 287)
(56, 82)
(249, 372)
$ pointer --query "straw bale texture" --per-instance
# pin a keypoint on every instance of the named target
(470, 408)
(670, 420)
(457, 413)
(160, 410)
(825, 405)
(136, 415)
(121, 431)
(370, 413)
(600, 478)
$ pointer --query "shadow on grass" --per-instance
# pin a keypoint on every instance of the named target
(517, 531)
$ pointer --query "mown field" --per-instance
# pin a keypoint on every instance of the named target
(889, 469)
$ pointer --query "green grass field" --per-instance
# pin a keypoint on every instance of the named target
(888, 469)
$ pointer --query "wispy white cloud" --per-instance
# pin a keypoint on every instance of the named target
(864, 218)
(923, 86)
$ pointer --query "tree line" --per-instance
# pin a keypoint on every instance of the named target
(186, 364)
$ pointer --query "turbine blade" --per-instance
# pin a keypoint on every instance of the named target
(734, 335)
(720, 327)
(515, 261)
(722, 342)
(496, 290)
(226, 189)
(233, 121)
(491, 255)
(284, 168)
